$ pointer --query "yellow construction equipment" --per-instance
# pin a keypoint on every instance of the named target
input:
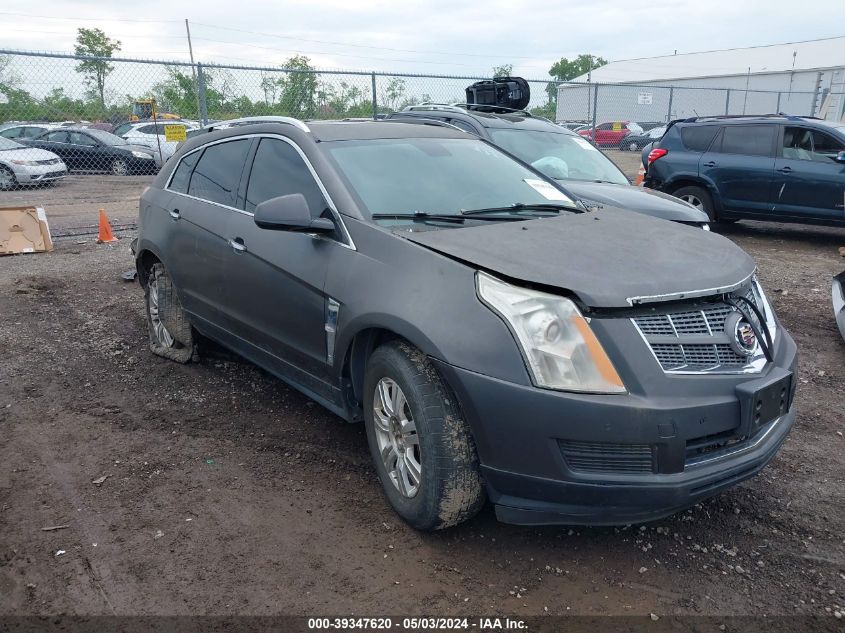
(146, 109)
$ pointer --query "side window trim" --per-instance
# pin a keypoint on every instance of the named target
(346, 240)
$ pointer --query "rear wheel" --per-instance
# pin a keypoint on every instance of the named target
(697, 197)
(420, 444)
(633, 147)
(169, 329)
(7, 179)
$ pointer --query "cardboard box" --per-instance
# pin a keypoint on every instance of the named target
(24, 230)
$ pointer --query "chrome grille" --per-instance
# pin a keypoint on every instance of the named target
(694, 340)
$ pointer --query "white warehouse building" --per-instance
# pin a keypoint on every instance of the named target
(801, 78)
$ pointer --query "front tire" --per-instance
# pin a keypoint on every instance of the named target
(168, 326)
(420, 444)
(7, 179)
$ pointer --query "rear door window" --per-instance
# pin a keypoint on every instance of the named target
(32, 132)
(82, 139)
(13, 132)
(278, 170)
(151, 129)
(748, 140)
(698, 138)
(57, 137)
(218, 172)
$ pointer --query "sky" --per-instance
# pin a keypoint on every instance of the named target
(432, 37)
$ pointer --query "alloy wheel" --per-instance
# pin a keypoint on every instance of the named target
(7, 179)
(161, 333)
(397, 438)
(119, 168)
(633, 147)
(694, 201)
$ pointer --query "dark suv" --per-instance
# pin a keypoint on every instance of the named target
(584, 171)
(772, 167)
(493, 336)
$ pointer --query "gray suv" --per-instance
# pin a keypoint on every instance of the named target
(496, 340)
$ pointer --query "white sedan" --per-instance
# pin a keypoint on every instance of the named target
(21, 165)
(151, 134)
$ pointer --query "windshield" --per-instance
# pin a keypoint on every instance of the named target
(560, 156)
(106, 138)
(436, 175)
(7, 144)
(657, 132)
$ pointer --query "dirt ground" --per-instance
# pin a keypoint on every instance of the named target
(221, 491)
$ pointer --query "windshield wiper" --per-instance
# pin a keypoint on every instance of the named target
(522, 206)
(424, 216)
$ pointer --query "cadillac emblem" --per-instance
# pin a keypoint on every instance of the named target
(741, 336)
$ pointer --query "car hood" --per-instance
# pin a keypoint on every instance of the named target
(26, 153)
(608, 258)
(638, 199)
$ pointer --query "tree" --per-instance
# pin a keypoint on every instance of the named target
(392, 92)
(299, 89)
(504, 70)
(564, 70)
(95, 43)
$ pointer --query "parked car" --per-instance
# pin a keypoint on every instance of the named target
(25, 130)
(771, 167)
(494, 338)
(585, 172)
(611, 133)
(650, 125)
(151, 134)
(84, 149)
(21, 165)
(636, 142)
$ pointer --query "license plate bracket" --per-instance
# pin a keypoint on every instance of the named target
(762, 401)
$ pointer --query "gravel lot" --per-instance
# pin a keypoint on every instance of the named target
(225, 492)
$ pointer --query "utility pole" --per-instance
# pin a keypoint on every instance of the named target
(193, 68)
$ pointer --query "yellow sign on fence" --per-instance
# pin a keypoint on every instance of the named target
(175, 133)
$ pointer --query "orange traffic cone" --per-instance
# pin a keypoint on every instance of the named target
(105, 234)
(640, 176)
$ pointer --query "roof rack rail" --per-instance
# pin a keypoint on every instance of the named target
(422, 121)
(253, 120)
(723, 117)
(463, 107)
(433, 106)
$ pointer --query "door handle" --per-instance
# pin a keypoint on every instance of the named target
(709, 163)
(785, 170)
(174, 213)
(237, 245)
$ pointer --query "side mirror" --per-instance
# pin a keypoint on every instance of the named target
(840, 157)
(290, 213)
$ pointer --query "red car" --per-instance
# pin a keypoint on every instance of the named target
(611, 133)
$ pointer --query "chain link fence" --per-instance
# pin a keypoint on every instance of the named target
(62, 114)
